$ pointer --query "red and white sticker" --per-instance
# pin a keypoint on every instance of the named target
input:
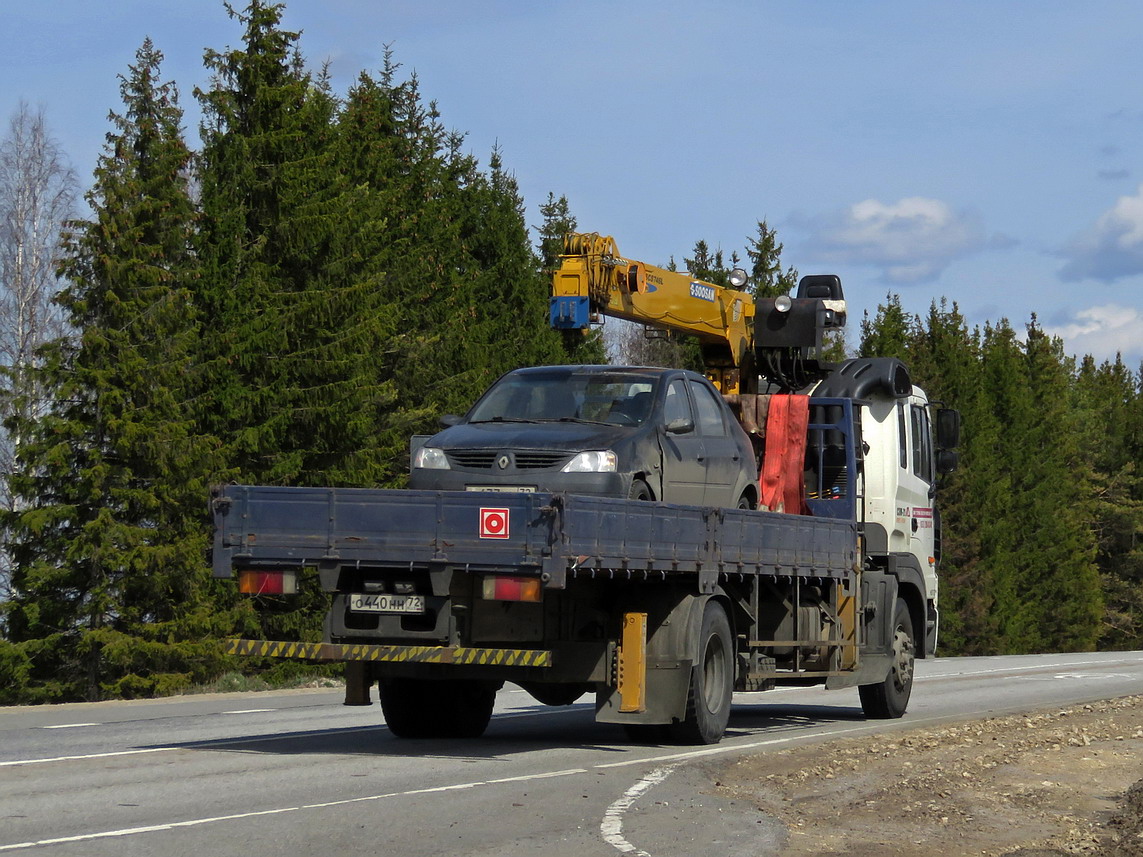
(493, 523)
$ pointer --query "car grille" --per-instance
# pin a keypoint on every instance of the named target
(485, 459)
(476, 459)
(536, 460)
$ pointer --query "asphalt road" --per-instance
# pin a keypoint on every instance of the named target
(296, 773)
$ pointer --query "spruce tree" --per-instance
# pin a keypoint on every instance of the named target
(458, 268)
(944, 359)
(1107, 414)
(294, 315)
(1054, 482)
(503, 293)
(888, 333)
(767, 278)
(110, 539)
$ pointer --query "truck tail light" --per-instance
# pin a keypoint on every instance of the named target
(256, 581)
(511, 589)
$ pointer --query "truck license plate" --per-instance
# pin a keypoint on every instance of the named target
(503, 489)
(363, 603)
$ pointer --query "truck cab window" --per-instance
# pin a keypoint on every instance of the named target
(902, 436)
(922, 444)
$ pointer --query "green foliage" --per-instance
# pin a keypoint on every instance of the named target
(108, 539)
(345, 275)
(1042, 517)
(767, 278)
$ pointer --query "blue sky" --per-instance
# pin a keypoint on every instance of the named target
(988, 153)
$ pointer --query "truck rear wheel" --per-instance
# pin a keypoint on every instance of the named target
(712, 680)
(416, 708)
(888, 699)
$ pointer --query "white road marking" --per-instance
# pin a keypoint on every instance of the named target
(69, 725)
(249, 711)
(14, 762)
(969, 673)
(612, 825)
(1075, 676)
(196, 822)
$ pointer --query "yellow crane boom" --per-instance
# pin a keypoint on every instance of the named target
(594, 280)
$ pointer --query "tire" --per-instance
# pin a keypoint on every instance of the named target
(712, 680)
(744, 501)
(415, 708)
(640, 491)
(888, 699)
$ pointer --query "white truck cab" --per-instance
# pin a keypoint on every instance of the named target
(907, 443)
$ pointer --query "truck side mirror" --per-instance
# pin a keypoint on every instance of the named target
(450, 420)
(948, 429)
(947, 461)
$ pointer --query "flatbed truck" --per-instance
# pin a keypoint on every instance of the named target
(661, 611)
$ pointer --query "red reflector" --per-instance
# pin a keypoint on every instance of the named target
(511, 589)
(258, 582)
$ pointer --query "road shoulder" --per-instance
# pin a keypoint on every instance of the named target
(1052, 782)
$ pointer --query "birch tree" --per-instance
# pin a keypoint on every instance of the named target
(38, 190)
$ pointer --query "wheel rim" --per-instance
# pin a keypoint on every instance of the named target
(902, 659)
(713, 673)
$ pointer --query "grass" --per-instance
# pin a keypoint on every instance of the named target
(236, 682)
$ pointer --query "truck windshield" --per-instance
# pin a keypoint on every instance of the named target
(609, 398)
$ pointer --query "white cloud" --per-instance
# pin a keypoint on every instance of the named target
(1112, 248)
(912, 240)
(1103, 331)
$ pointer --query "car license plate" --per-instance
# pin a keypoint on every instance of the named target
(364, 603)
(503, 489)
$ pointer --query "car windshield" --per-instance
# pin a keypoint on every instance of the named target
(601, 397)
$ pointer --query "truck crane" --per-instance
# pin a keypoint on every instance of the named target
(663, 611)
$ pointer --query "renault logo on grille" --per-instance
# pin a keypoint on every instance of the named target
(502, 462)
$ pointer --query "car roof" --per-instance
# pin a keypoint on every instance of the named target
(652, 371)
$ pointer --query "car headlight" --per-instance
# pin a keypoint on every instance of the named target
(599, 461)
(430, 458)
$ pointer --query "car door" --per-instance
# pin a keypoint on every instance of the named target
(684, 469)
(721, 454)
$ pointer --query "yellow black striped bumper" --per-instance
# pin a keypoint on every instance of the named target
(396, 654)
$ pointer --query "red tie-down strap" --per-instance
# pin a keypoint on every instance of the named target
(782, 481)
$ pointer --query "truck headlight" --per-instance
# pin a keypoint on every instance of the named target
(430, 458)
(599, 461)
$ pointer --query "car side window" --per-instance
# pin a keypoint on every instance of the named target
(676, 406)
(710, 418)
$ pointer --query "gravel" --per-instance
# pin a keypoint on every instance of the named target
(1055, 782)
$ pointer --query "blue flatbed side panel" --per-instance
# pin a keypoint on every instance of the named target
(377, 525)
(264, 524)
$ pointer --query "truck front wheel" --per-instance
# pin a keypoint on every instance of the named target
(712, 680)
(416, 708)
(889, 698)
